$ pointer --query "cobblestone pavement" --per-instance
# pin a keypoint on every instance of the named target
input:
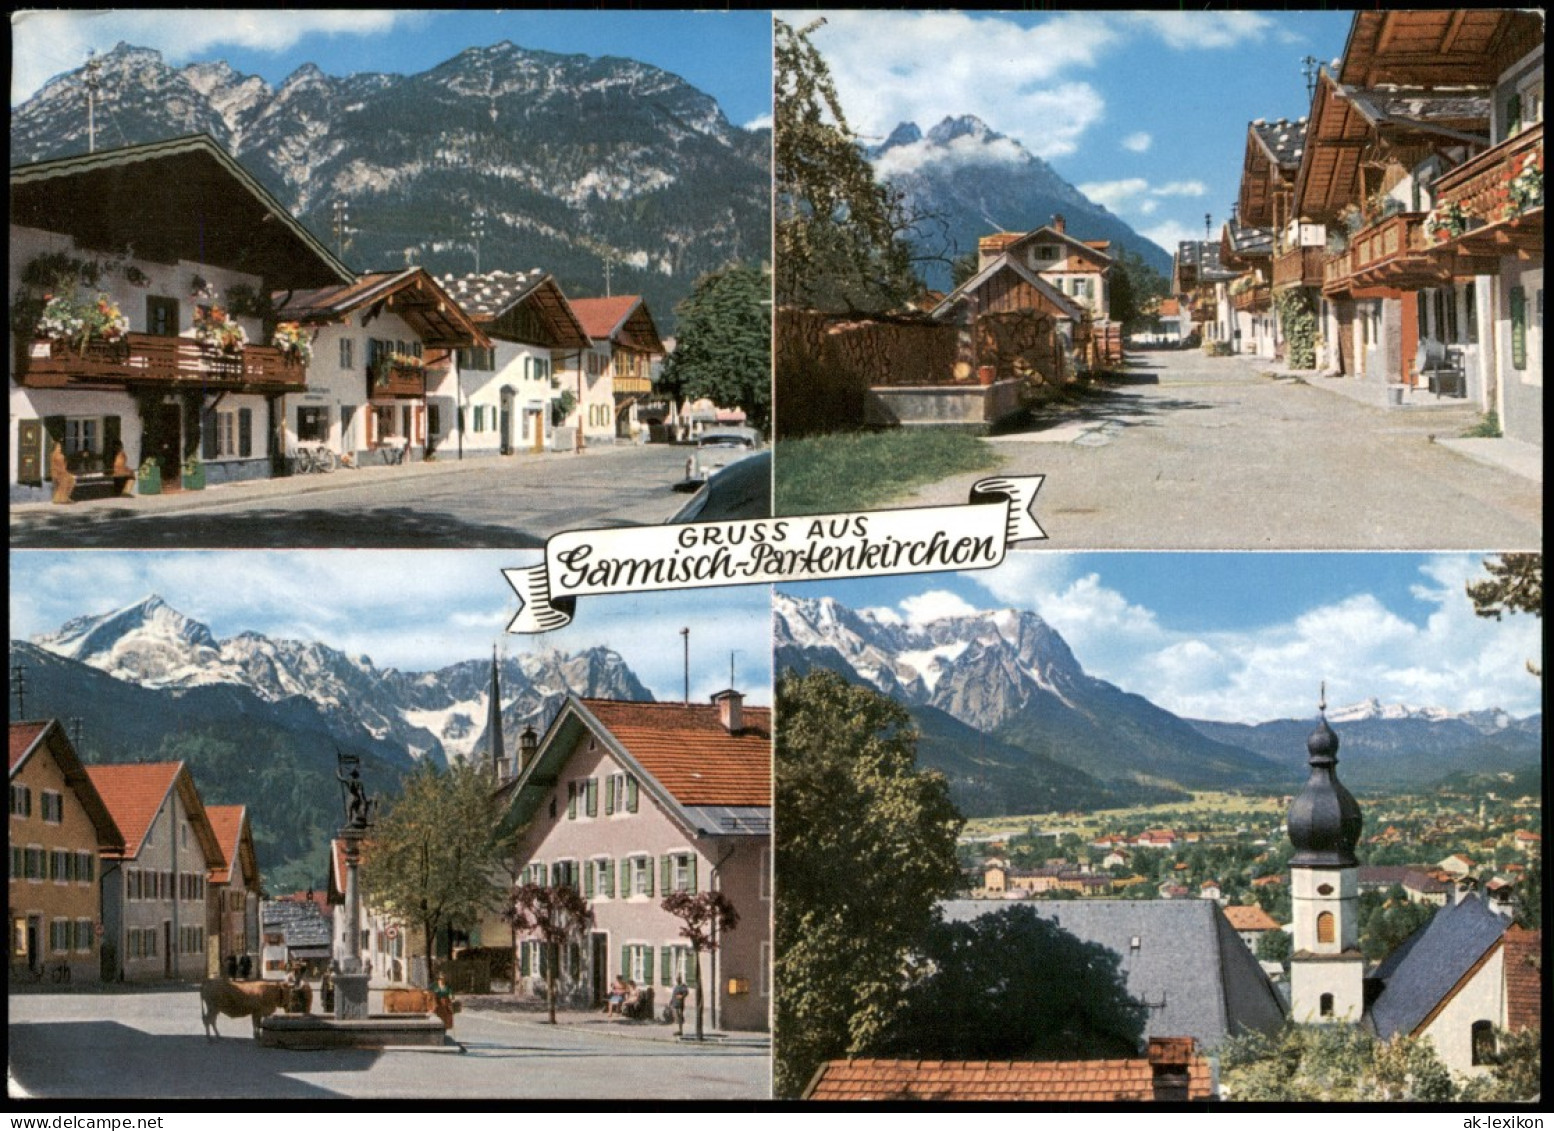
(151, 1045)
(513, 502)
(1193, 452)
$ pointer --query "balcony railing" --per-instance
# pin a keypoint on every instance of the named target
(389, 379)
(1391, 253)
(1298, 267)
(1480, 186)
(630, 384)
(1253, 299)
(147, 359)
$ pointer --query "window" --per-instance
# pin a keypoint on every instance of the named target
(434, 419)
(21, 801)
(599, 878)
(565, 873)
(637, 963)
(591, 797)
(83, 934)
(1046, 251)
(477, 359)
(59, 865)
(312, 424)
(1325, 927)
(641, 871)
(59, 935)
(347, 354)
(162, 316)
(1470, 311)
(18, 862)
(36, 863)
(679, 872)
(677, 961)
(1325, 1005)
(620, 795)
(1483, 1039)
(480, 418)
(572, 800)
(51, 806)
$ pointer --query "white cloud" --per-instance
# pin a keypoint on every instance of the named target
(1186, 31)
(763, 122)
(891, 67)
(1138, 142)
(46, 43)
(961, 152)
(937, 604)
(1168, 233)
(1116, 195)
(1180, 188)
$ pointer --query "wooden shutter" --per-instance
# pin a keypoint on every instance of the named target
(647, 871)
(631, 794)
(591, 797)
(692, 857)
(1325, 927)
(609, 795)
(588, 880)
(647, 966)
(245, 432)
(692, 968)
(30, 456)
(609, 877)
(208, 433)
(1519, 327)
(666, 874)
(571, 801)
(625, 961)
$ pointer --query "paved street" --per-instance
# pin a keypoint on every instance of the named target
(1193, 452)
(515, 502)
(151, 1044)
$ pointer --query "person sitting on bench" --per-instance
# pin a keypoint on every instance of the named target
(123, 477)
(59, 471)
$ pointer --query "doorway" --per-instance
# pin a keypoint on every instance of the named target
(163, 441)
(167, 948)
(599, 966)
(34, 945)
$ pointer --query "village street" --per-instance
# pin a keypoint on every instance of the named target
(1194, 452)
(151, 1045)
(515, 502)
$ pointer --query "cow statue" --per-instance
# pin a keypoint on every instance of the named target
(254, 1000)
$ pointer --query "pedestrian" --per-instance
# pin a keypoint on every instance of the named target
(612, 1007)
(231, 967)
(326, 993)
(59, 471)
(122, 475)
(442, 1002)
(677, 1004)
(245, 967)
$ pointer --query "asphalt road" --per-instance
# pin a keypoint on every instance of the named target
(1192, 452)
(151, 1045)
(509, 503)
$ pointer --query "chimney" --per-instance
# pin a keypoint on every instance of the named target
(730, 713)
(1170, 1058)
(1058, 225)
(528, 744)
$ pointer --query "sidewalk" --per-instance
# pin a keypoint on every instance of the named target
(501, 1008)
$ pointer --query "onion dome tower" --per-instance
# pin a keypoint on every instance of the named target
(1327, 970)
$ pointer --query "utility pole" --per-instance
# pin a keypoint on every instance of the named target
(94, 81)
(607, 266)
(1311, 67)
(75, 732)
(342, 225)
(685, 634)
(19, 682)
(477, 232)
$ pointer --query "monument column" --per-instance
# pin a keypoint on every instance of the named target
(350, 978)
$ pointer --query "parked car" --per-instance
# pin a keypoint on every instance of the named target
(740, 490)
(715, 449)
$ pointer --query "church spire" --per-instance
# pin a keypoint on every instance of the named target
(494, 719)
(1325, 820)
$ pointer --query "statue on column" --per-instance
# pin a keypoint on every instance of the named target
(358, 806)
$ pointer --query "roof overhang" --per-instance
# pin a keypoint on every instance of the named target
(1005, 261)
(183, 199)
(109, 838)
(413, 294)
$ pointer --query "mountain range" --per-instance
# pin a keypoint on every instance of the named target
(571, 160)
(1006, 711)
(974, 181)
(260, 720)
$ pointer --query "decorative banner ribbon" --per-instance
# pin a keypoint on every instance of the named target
(589, 563)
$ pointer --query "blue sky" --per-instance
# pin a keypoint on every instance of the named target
(415, 610)
(1146, 112)
(1249, 637)
(725, 54)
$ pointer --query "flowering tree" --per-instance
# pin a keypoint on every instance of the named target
(706, 915)
(554, 915)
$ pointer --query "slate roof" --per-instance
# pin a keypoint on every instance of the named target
(1203, 257)
(488, 294)
(303, 924)
(1063, 1081)
(1523, 978)
(411, 292)
(1190, 967)
(1283, 140)
(1424, 970)
(1248, 241)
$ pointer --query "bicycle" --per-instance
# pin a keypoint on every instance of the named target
(316, 457)
(394, 455)
(61, 974)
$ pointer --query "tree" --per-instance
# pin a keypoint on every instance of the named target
(557, 915)
(706, 916)
(1134, 287)
(839, 244)
(1275, 946)
(1011, 985)
(724, 347)
(867, 848)
(435, 859)
(1514, 585)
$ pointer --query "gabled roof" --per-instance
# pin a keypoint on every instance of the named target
(29, 737)
(492, 296)
(184, 198)
(229, 823)
(1250, 919)
(1056, 1081)
(1443, 47)
(303, 922)
(134, 793)
(1047, 232)
(623, 319)
(713, 782)
(412, 294)
(1189, 967)
(1006, 262)
(1430, 965)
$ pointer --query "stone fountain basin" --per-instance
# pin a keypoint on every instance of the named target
(379, 1030)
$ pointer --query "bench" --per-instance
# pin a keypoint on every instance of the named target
(1445, 374)
(99, 483)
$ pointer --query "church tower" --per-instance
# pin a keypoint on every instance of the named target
(494, 722)
(1327, 970)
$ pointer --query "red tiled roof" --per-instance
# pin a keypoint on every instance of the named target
(226, 821)
(690, 754)
(24, 736)
(1069, 1081)
(1170, 308)
(1523, 978)
(1250, 919)
(133, 793)
(600, 316)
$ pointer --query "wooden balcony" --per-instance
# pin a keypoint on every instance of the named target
(148, 359)
(632, 385)
(387, 379)
(1481, 188)
(1388, 255)
(1253, 300)
(1298, 267)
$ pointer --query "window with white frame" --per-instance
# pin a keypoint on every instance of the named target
(679, 872)
(677, 962)
(59, 935)
(599, 878)
(37, 863)
(347, 354)
(21, 801)
(83, 934)
(59, 866)
(641, 871)
(51, 806)
(620, 795)
(637, 963)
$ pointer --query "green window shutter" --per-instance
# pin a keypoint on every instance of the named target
(692, 969)
(555, 875)
(591, 797)
(609, 795)
(1519, 327)
(91, 868)
(245, 432)
(588, 880)
(647, 871)
(693, 888)
(571, 801)
(666, 964)
(631, 794)
(523, 960)
(625, 960)
(609, 878)
(208, 434)
(666, 874)
(647, 966)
